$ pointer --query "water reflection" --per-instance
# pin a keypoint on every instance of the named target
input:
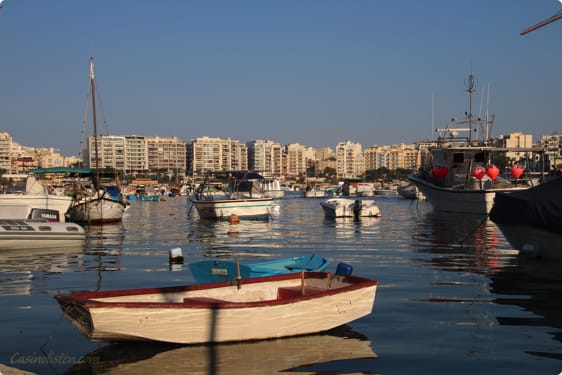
(535, 285)
(20, 268)
(335, 352)
(467, 243)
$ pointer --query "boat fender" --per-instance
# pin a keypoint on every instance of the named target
(344, 269)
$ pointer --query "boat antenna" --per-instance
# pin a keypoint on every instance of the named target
(470, 83)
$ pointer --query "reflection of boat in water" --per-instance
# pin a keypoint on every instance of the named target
(20, 270)
(331, 353)
(533, 286)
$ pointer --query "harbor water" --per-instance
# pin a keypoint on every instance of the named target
(453, 296)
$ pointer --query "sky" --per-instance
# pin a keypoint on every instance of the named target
(315, 72)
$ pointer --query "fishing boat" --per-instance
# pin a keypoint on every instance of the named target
(345, 207)
(27, 192)
(249, 309)
(243, 199)
(98, 205)
(207, 271)
(41, 229)
(531, 220)
(463, 177)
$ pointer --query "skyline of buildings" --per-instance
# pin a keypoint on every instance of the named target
(138, 155)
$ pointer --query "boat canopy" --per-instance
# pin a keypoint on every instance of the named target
(247, 175)
(80, 171)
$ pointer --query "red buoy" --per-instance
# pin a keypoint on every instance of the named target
(517, 171)
(479, 173)
(493, 172)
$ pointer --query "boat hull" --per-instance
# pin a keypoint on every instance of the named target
(450, 199)
(24, 234)
(97, 211)
(259, 308)
(532, 241)
(252, 208)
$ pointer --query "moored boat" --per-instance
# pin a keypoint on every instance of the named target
(104, 204)
(463, 177)
(41, 229)
(531, 220)
(251, 309)
(243, 199)
(27, 191)
(345, 207)
(207, 271)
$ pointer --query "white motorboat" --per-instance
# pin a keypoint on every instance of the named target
(314, 192)
(409, 191)
(344, 207)
(25, 192)
(243, 199)
(365, 189)
(41, 229)
(272, 188)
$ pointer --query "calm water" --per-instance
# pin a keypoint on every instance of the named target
(453, 295)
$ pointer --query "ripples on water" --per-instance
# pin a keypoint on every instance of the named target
(453, 295)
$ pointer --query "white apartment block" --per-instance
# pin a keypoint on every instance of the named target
(295, 160)
(137, 154)
(166, 154)
(553, 148)
(349, 160)
(391, 157)
(5, 150)
(207, 154)
(265, 157)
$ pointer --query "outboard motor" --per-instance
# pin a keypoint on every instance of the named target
(357, 206)
(344, 269)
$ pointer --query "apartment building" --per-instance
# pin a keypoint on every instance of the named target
(207, 154)
(5, 149)
(265, 157)
(349, 160)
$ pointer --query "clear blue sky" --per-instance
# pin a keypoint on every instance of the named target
(310, 71)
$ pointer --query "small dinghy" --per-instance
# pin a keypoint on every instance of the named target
(245, 310)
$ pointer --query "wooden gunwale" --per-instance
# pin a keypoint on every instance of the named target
(89, 299)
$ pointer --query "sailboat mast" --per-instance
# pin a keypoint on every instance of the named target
(96, 152)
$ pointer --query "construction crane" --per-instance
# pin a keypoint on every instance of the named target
(543, 23)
